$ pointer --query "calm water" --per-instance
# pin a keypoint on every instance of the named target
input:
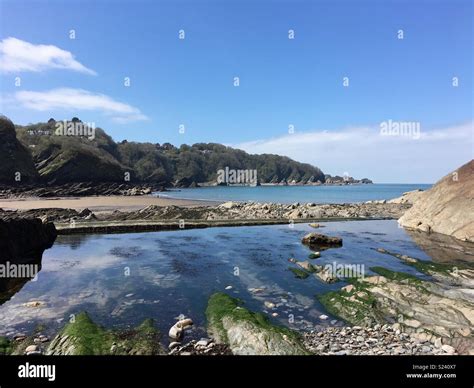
(303, 194)
(122, 279)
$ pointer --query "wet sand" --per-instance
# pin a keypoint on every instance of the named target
(99, 203)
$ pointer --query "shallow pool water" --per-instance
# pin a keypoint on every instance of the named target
(121, 279)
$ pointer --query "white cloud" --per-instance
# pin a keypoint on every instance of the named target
(20, 56)
(364, 152)
(76, 100)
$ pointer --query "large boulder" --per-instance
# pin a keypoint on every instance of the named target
(23, 240)
(17, 165)
(22, 243)
(246, 332)
(321, 242)
(447, 207)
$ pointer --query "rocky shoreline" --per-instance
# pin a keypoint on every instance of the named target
(229, 211)
(81, 189)
(376, 340)
(438, 309)
(233, 330)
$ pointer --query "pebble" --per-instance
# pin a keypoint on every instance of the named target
(203, 342)
(32, 349)
(35, 353)
(323, 317)
(448, 349)
(19, 337)
(375, 340)
(173, 345)
(34, 303)
(203, 346)
(256, 290)
(175, 332)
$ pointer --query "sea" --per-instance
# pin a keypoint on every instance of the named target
(292, 194)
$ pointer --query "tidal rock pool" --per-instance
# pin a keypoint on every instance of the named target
(122, 279)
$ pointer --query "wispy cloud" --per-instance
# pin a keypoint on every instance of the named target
(75, 100)
(365, 152)
(20, 56)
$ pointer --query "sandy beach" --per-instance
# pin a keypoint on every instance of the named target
(99, 203)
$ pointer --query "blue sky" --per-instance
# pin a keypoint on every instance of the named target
(283, 81)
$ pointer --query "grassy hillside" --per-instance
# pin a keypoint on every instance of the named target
(61, 159)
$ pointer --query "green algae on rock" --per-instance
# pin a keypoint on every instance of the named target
(454, 274)
(314, 255)
(84, 337)
(299, 273)
(5, 346)
(247, 332)
(433, 310)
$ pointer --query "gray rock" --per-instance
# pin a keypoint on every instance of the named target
(173, 345)
(446, 208)
(448, 349)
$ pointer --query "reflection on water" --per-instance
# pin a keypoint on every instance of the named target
(121, 279)
(444, 249)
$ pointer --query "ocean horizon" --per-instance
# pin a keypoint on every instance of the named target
(291, 194)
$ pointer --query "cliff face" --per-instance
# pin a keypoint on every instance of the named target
(79, 164)
(447, 208)
(16, 160)
(23, 240)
